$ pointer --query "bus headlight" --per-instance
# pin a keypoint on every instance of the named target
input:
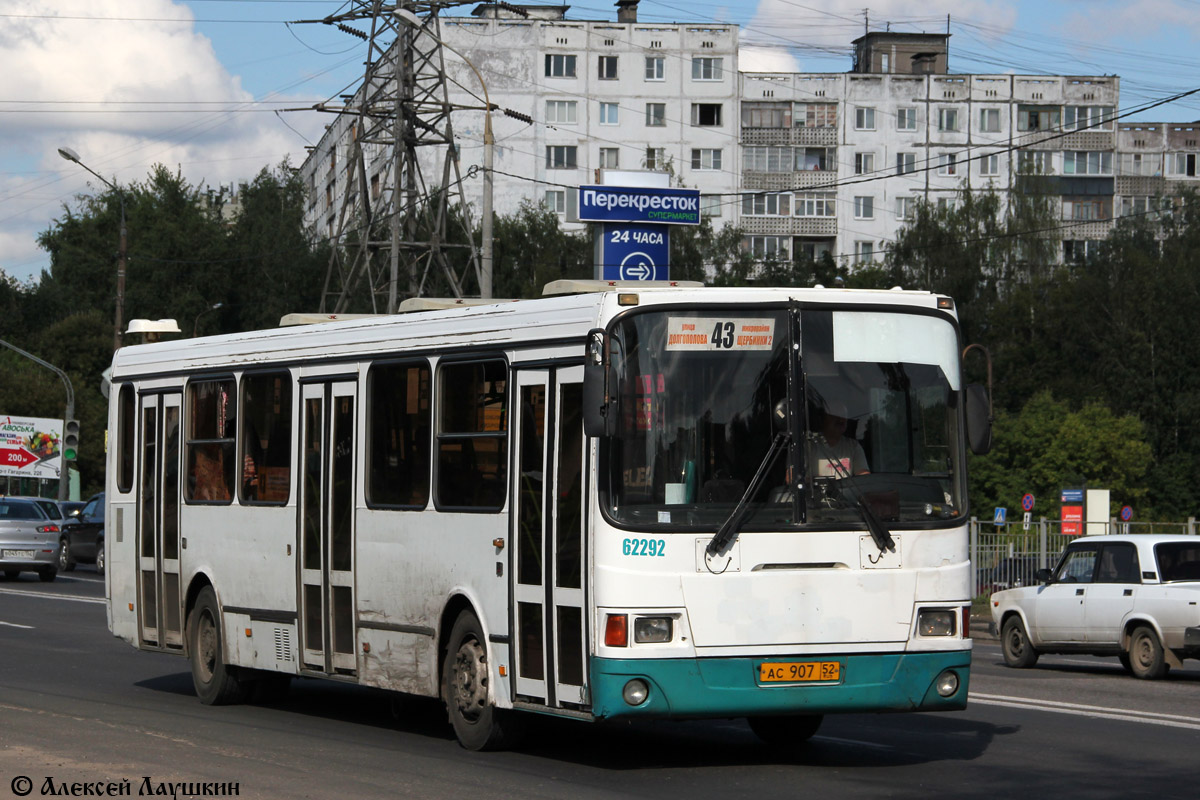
(652, 630)
(935, 622)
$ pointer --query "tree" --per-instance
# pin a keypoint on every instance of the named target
(530, 250)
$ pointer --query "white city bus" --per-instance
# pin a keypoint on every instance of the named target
(620, 502)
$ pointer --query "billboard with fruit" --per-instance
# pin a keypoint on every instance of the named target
(30, 447)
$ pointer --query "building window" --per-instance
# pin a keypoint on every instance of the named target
(606, 68)
(947, 164)
(906, 208)
(864, 207)
(989, 120)
(472, 434)
(1080, 251)
(706, 158)
(561, 156)
(766, 205)
(656, 158)
(1146, 164)
(1038, 118)
(656, 115)
(706, 114)
(1183, 164)
(814, 115)
(608, 113)
(816, 204)
(906, 163)
(1136, 206)
(864, 119)
(656, 68)
(560, 66)
(399, 433)
(1092, 162)
(1036, 162)
(864, 163)
(767, 246)
(766, 115)
(766, 159)
(947, 119)
(813, 159)
(1083, 209)
(989, 164)
(947, 204)
(710, 205)
(706, 68)
(555, 201)
(906, 119)
(864, 251)
(560, 112)
(609, 158)
(1096, 118)
(209, 445)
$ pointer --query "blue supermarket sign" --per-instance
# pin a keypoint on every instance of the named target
(633, 252)
(635, 204)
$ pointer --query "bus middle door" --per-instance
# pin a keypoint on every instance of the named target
(326, 527)
(548, 589)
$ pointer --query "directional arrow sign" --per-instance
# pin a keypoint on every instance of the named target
(16, 457)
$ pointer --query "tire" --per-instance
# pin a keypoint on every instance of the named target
(100, 558)
(1125, 662)
(1146, 658)
(477, 723)
(215, 681)
(786, 730)
(47, 574)
(65, 562)
(1014, 641)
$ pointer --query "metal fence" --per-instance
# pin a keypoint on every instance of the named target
(1009, 554)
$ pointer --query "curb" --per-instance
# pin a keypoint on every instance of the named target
(981, 628)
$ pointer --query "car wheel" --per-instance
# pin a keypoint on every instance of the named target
(1014, 641)
(65, 562)
(48, 574)
(1125, 662)
(100, 558)
(786, 730)
(1146, 658)
(215, 681)
(477, 723)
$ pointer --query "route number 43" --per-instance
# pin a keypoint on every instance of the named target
(722, 335)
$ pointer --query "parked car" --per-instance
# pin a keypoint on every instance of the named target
(29, 539)
(83, 537)
(58, 510)
(1007, 573)
(1133, 597)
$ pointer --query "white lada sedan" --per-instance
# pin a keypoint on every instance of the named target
(1134, 597)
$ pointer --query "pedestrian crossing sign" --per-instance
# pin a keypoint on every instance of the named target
(1001, 515)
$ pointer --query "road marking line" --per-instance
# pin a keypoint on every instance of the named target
(1098, 712)
(15, 625)
(54, 595)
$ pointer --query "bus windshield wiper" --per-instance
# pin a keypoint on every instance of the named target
(883, 539)
(731, 526)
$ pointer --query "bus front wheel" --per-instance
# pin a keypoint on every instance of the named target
(478, 724)
(215, 683)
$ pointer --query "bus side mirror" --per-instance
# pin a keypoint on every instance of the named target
(979, 419)
(599, 388)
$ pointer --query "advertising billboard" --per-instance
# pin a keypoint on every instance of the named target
(30, 447)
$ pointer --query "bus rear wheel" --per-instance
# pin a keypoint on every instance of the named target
(786, 730)
(215, 681)
(477, 723)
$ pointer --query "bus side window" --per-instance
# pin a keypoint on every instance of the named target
(472, 436)
(398, 435)
(212, 420)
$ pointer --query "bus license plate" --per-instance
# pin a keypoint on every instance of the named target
(29, 554)
(800, 671)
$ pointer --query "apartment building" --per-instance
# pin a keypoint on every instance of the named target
(803, 162)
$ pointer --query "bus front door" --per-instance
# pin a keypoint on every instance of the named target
(326, 527)
(548, 587)
(160, 608)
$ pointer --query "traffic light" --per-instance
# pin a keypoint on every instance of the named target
(71, 440)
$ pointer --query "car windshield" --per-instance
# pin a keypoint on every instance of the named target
(703, 393)
(19, 511)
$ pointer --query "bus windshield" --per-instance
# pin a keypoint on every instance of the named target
(867, 401)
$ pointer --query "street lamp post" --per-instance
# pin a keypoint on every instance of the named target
(485, 250)
(71, 155)
(209, 310)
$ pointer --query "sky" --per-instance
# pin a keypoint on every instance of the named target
(220, 89)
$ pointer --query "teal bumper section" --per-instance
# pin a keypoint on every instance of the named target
(729, 687)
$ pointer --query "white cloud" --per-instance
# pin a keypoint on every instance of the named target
(63, 77)
(752, 58)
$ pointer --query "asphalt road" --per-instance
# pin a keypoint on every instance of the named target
(78, 706)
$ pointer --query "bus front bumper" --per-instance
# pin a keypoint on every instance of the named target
(730, 687)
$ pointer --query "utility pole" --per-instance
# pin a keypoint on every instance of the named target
(397, 222)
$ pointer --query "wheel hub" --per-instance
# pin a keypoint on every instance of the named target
(470, 679)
